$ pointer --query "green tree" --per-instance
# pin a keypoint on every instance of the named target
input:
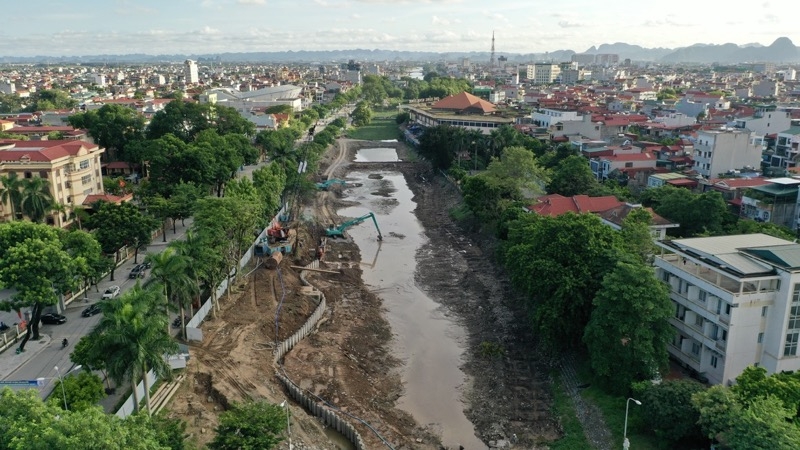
(183, 200)
(705, 213)
(668, 411)
(36, 198)
(113, 127)
(174, 275)
(518, 171)
(763, 424)
(637, 238)
(753, 383)
(34, 263)
(82, 391)
(628, 332)
(90, 353)
(119, 225)
(28, 423)
(571, 177)
(11, 192)
(559, 263)
(362, 114)
(83, 247)
(135, 331)
(251, 425)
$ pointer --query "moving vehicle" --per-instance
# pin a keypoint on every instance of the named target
(138, 271)
(334, 232)
(53, 319)
(111, 292)
(91, 310)
(64, 343)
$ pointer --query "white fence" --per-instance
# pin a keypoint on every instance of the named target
(192, 327)
(129, 407)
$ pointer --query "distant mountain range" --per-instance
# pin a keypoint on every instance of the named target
(782, 50)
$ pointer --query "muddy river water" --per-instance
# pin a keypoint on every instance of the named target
(429, 342)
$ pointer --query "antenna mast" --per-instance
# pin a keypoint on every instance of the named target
(492, 61)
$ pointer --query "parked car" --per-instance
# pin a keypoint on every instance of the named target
(146, 264)
(137, 271)
(91, 310)
(53, 319)
(111, 292)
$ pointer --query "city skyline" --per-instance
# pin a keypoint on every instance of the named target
(81, 27)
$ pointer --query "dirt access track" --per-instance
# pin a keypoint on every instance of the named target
(347, 361)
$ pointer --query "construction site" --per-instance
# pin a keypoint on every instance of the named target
(369, 304)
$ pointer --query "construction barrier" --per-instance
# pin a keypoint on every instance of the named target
(327, 416)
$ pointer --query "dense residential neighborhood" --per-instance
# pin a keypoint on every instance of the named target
(643, 217)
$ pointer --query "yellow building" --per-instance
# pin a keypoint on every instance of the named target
(71, 167)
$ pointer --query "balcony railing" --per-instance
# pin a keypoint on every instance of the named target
(713, 277)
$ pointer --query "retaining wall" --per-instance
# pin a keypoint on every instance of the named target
(327, 416)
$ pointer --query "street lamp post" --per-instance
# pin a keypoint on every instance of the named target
(61, 382)
(625, 443)
(288, 425)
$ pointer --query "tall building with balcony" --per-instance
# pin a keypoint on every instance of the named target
(718, 152)
(190, 74)
(737, 303)
(72, 169)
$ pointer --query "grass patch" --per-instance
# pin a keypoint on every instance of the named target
(381, 128)
(564, 412)
(613, 409)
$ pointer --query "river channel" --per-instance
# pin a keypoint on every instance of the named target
(430, 343)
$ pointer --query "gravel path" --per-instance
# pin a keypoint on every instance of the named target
(590, 416)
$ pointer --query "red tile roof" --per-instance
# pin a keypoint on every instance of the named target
(106, 198)
(618, 214)
(43, 150)
(462, 102)
(555, 204)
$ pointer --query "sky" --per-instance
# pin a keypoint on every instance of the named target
(94, 27)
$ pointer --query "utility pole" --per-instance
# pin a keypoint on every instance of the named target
(492, 61)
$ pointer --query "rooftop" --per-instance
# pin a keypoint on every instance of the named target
(728, 252)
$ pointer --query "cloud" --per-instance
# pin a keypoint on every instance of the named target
(770, 18)
(495, 16)
(437, 21)
(570, 24)
(251, 2)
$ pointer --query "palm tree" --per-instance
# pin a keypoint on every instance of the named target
(171, 270)
(11, 192)
(61, 212)
(36, 198)
(133, 331)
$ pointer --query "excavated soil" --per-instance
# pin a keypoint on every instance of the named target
(347, 361)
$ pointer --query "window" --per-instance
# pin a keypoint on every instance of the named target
(28, 175)
(727, 309)
(665, 276)
(794, 317)
(763, 311)
(714, 332)
(84, 164)
(760, 338)
(724, 334)
(719, 305)
(714, 361)
(43, 174)
(86, 179)
(695, 349)
(698, 321)
(790, 349)
(702, 295)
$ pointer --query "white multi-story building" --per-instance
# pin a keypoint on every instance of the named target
(7, 87)
(190, 74)
(546, 117)
(766, 121)
(720, 151)
(737, 303)
(543, 73)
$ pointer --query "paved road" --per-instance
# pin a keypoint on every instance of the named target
(41, 357)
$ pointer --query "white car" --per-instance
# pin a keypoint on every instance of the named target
(111, 292)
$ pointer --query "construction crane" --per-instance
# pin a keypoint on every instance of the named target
(334, 232)
(328, 183)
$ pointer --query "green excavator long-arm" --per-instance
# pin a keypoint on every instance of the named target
(335, 232)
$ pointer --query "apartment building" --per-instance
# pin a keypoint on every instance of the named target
(71, 167)
(721, 151)
(737, 303)
(543, 73)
